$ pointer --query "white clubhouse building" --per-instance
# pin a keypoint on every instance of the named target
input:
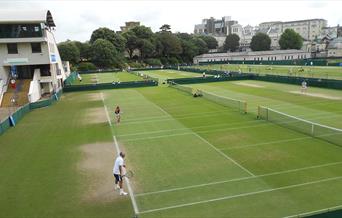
(29, 56)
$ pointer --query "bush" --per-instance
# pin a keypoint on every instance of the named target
(84, 66)
(173, 61)
(164, 61)
(153, 62)
(134, 64)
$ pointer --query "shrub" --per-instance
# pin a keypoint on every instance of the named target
(84, 66)
(153, 62)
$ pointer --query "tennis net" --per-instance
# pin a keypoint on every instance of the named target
(225, 101)
(185, 89)
(326, 133)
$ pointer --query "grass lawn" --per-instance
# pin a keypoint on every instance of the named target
(190, 157)
(314, 71)
(107, 78)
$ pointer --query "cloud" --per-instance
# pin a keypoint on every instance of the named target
(76, 20)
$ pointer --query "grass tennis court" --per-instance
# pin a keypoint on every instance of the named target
(319, 105)
(163, 75)
(109, 77)
(191, 157)
(302, 71)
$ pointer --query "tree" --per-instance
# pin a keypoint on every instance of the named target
(171, 44)
(104, 33)
(146, 48)
(141, 38)
(260, 42)
(190, 50)
(131, 42)
(165, 28)
(201, 45)
(290, 40)
(211, 41)
(104, 54)
(69, 52)
(231, 43)
(85, 50)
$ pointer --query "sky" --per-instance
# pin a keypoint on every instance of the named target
(75, 20)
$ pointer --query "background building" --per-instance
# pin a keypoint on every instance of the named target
(129, 25)
(215, 27)
(310, 30)
(257, 56)
(29, 56)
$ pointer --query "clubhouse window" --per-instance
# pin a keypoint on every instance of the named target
(12, 48)
(36, 47)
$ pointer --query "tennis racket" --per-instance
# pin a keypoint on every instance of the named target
(129, 174)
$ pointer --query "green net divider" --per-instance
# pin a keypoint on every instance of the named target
(100, 71)
(185, 89)
(145, 76)
(101, 86)
(20, 113)
(40, 104)
(301, 62)
(4, 125)
(210, 79)
(240, 105)
(323, 132)
(314, 82)
(71, 78)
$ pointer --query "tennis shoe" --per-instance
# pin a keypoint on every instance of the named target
(123, 193)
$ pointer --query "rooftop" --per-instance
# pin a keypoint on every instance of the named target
(32, 16)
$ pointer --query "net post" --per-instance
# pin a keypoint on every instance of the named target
(312, 129)
(266, 113)
(258, 115)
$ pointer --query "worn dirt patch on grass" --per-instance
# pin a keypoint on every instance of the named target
(95, 115)
(97, 164)
(249, 84)
(318, 95)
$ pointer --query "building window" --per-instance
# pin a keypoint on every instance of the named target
(36, 47)
(20, 30)
(12, 48)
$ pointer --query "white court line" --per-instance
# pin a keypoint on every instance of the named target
(329, 209)
(154, 105)
(267, 143)
(130, 190)
(224, 155)
(186, 115)
(192, 128)
(239, 179)
(209, 114)
(240, 195)
(217, 150)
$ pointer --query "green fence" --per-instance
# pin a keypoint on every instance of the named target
(330, 214)
(71, 78)
(4, 125)
(301, 62)
(210, 79)
(100, 86)
(22, 111)
(314, 82)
